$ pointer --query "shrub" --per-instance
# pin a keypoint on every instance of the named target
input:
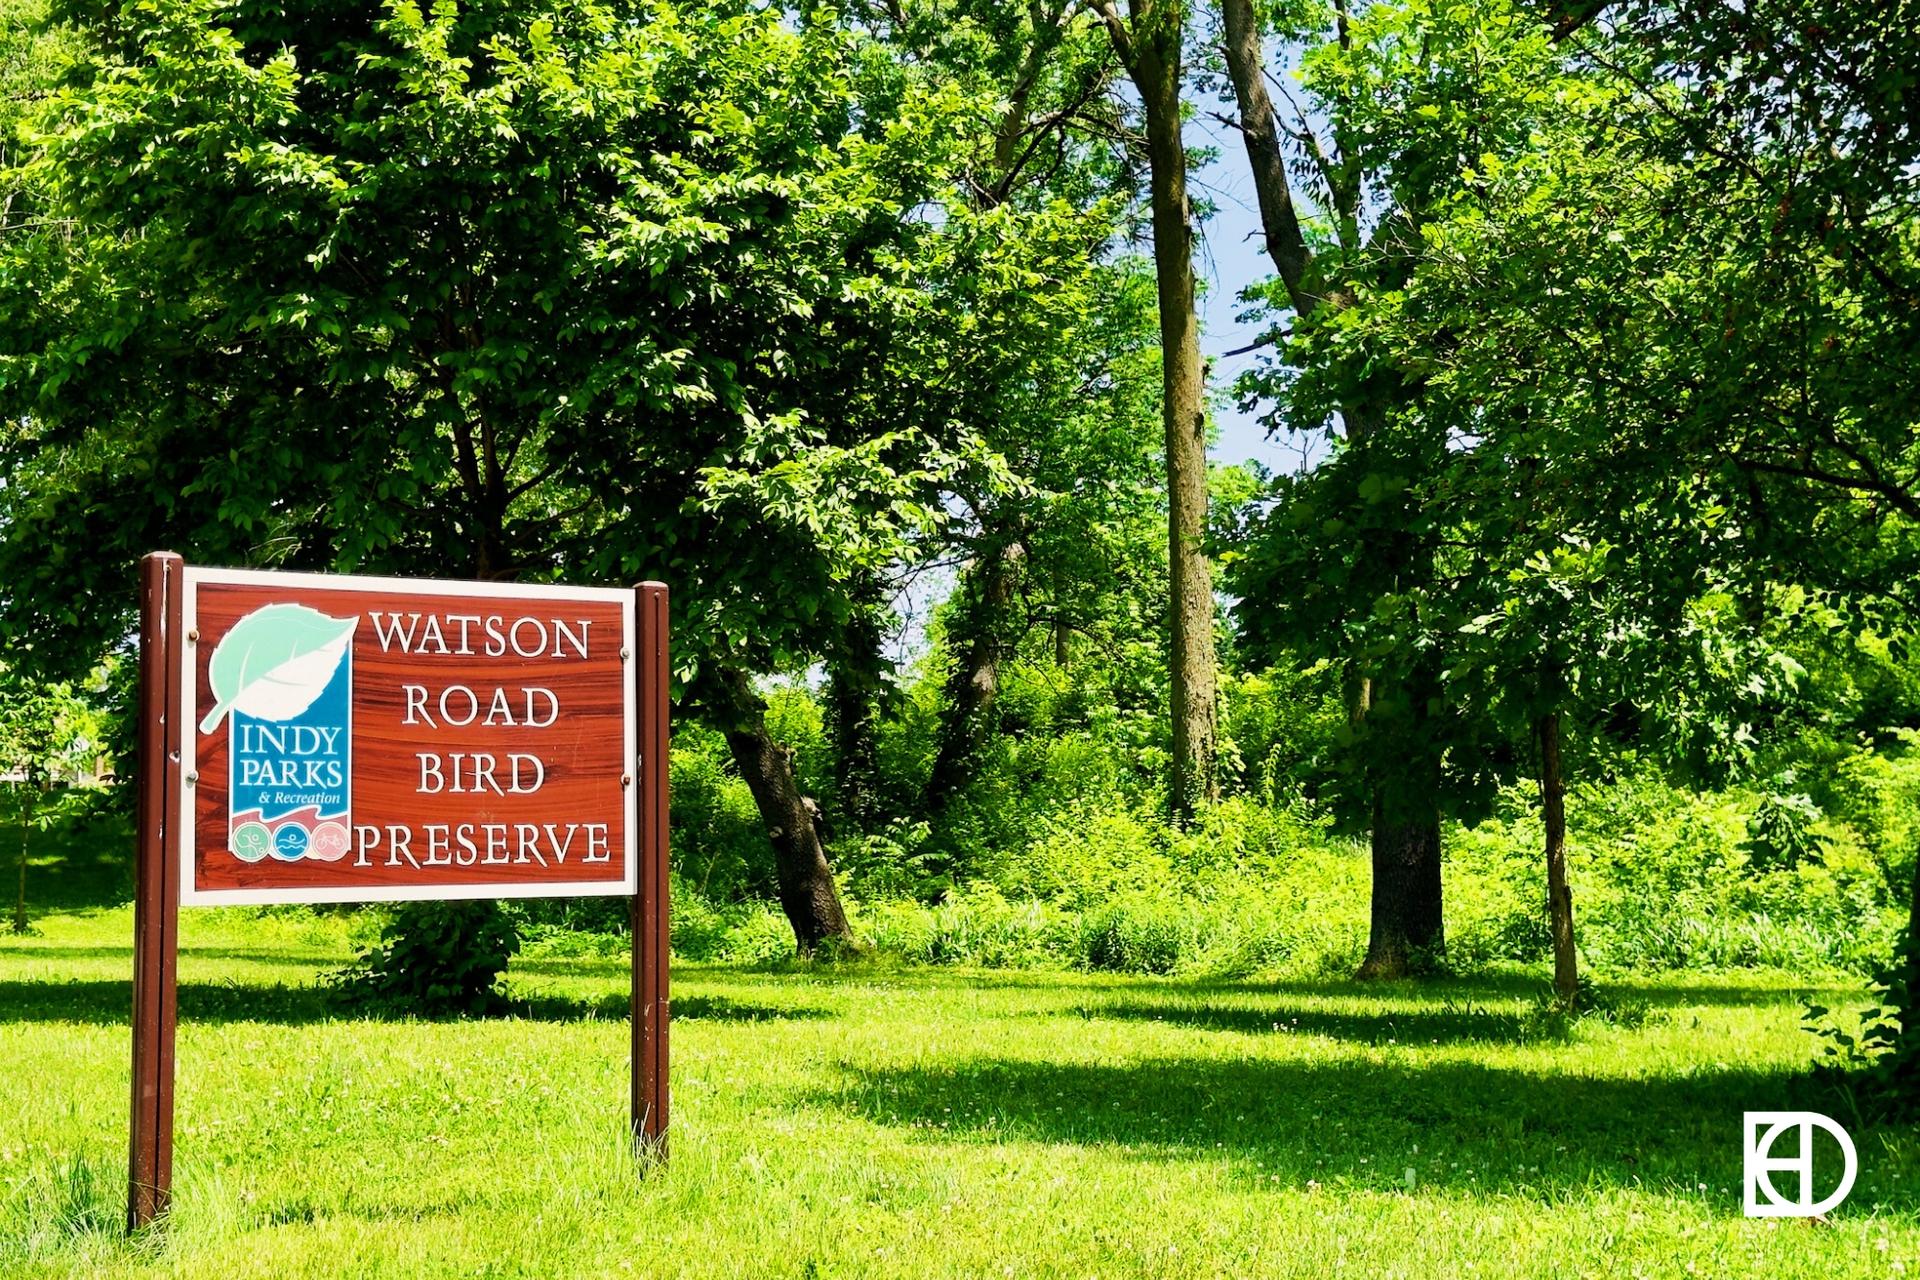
(976, 926)
(897, 861)
(705, 932)
(1141, 935)
(1082, 855)
(760, 935)
(698, 931)
(1876, 793)
(1780, 831)
(434, 959)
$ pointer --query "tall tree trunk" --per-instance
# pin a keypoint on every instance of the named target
(1406, 925)
(980, 635)
(807, 892)
(1407, 934)
(1246, 67)
(1150, 46)
(1553, 815)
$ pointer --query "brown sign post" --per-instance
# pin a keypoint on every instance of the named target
(321, 738)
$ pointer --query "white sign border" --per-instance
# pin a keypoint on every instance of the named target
(192, 896)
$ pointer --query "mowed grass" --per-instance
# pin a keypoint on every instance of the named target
(867, 1121)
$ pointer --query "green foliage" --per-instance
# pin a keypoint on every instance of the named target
(736, 933)
(1780, 831)
(1277, 728)
(718, 845)
(1059, 855)
(433, 959)
(974, 926)
(1876, 792)
(572, 274)
(49, 732)
(1874, 1055)
(788, 307)
(795, 718)
(1141, 936)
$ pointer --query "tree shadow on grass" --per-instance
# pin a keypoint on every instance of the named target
(1462, 1127)
(81, 862)
(614, 1006)
(1661, 994)
(1445, 1023)
(1651, 989)
(249, 955)
(722, 1009)
(109, 1003)
(104, 1003)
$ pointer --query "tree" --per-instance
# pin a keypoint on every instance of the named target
(510, 290)
(1444, 510)
(1713, 291)
(1390, 687)
(1667, 278)
(1150, 41)
(1053, 383)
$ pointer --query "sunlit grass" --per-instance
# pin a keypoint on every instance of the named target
(912, 1122)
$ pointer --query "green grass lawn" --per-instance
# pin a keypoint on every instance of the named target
(917, 1122)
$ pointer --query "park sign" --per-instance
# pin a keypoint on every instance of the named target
(358, 739)
(326, 738)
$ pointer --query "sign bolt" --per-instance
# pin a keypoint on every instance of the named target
(193, 777)
(626, 779)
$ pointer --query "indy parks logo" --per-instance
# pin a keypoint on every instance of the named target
(1764, 1129)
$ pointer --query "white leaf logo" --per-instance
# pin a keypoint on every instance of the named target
(275, 662)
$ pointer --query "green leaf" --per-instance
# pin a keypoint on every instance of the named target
(275, 662)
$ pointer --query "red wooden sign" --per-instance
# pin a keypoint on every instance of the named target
(352, 739)
(308, 738)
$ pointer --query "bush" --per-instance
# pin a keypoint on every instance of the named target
(760, 935)
(1780, 831)
(976, 926)
(434, 959)
(1876, 793)
(898, 861)
(1144, 935)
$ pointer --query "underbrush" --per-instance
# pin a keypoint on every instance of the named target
(1096, 879)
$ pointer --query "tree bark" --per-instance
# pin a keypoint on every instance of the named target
(808, 894)
(1407, 934)
(1246, 67)
(1150, 46)
(973, 686)
(1553, 814)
